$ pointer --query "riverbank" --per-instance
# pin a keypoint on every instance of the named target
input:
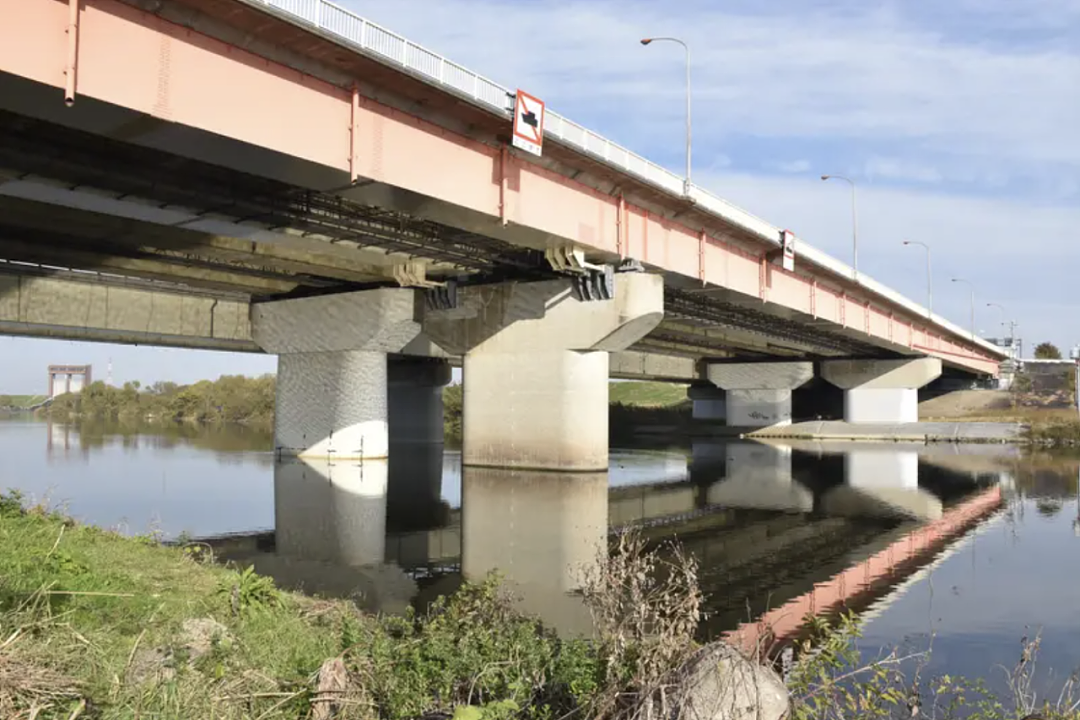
(1048, 419)
(97, 625)
(20, 403)
(969, 416)
(920, 432)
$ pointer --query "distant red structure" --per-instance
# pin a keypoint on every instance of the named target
(83, 372)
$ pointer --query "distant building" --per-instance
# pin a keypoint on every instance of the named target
(1009, 366)
(68, 378)
(1048, 375)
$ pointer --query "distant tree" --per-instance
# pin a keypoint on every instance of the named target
(1047, 351)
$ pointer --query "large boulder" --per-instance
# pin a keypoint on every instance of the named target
(718, 683)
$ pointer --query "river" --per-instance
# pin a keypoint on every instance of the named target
(765, 522)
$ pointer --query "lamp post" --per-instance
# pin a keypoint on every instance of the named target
(972, 288)
(854, 222)
(929, 277)
(646, 41)
(1005, 320)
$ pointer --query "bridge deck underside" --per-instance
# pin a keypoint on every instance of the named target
(328, 145)
(74, 202)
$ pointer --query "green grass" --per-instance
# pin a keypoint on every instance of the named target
(647, 394)
(86, 600)
(93, 619)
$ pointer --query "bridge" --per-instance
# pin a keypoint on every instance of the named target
(286, 177)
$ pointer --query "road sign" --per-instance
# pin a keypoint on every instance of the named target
(528, 123)
(787, 240)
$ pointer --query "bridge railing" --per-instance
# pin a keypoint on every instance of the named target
(373, 39)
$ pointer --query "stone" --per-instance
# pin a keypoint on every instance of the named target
(196, 638)
(719, 683)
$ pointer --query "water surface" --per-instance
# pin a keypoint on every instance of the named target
(764, 521)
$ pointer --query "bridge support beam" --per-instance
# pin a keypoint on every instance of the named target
(881, 391)
(710, 402)
(536, 368)
(759, 394)
(332, 370)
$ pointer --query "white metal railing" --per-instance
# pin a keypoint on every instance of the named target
(391, 48)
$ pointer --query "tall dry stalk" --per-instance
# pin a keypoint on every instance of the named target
(645, 607)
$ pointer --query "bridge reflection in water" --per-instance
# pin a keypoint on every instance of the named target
(765, 521)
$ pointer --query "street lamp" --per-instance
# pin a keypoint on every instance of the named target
(646, 41)
(972, 288)
(929, 278)
(854, 222)
(1005, 320)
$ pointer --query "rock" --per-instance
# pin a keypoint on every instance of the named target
(718, 683)
(196, 639)
(197, 635)
(333, 681)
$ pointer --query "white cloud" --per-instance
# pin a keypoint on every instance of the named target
(792, 167)
(898, 169)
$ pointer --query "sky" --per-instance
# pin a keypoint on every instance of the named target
(957, 121)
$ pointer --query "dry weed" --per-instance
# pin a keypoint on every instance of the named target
(28, 688)
(645, 607)
(1020, 682)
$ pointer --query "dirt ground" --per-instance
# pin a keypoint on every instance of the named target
(994, 403)
(964, 403)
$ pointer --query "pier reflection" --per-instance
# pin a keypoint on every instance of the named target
(764, 521)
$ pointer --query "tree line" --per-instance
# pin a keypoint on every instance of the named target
(230, 398)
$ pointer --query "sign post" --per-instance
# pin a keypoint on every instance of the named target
(787, 241)
(528, 123)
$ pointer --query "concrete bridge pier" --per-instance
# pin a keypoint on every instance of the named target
(759, 394)
(710, 402)
(415, 427)
(882, 482)
(331, 511)
(332, 369)
(759, 476)
(541, 530)
(881, 391)
(536, 368)
(331, 435)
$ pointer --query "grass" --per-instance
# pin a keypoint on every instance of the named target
(80, 603)
(1047, 425)
(97, 625)
(647, 394)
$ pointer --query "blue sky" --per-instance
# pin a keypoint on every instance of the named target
(957, 120)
